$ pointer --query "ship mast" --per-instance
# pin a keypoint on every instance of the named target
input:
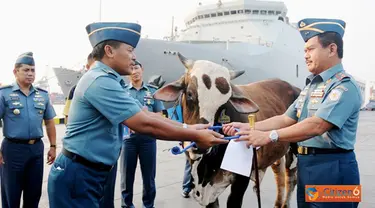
(172, 36)
(100, 10)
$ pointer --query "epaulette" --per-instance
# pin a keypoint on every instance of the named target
(153, 86)
(41, 89)
(5, 86)
(342, 87)
(109, 72)
(341, 75)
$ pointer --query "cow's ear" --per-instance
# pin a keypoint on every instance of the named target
(240, 103)
(169, 92)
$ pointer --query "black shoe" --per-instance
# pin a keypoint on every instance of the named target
(185, 194)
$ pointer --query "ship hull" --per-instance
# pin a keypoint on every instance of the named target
(159, 57)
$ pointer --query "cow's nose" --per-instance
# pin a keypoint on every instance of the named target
(198, 194)
(203, 121)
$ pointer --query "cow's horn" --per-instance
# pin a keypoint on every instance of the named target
(235, 74)
(188, 63)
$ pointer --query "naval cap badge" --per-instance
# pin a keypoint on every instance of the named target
(302, 24)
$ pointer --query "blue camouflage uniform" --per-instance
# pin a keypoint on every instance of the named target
(333, 96)
(93, 140)
(22, 147)
(142, 146)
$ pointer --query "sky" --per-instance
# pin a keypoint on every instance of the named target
(55, 30)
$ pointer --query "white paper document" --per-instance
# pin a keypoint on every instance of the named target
(238, 158)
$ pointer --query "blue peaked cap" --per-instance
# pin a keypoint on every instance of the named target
(125, 32)
(138, 63)
(311, 27)
(26, 58)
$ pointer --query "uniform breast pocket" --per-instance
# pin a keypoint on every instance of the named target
(15, 108)
(312, 108)
(40, 108)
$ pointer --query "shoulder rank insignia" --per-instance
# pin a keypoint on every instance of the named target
(108, 72)
(342, 87)
(341, 76)
(5, 86)
(41, 89)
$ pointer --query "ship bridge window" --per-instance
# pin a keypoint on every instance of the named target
(263, 12)
(213, 15)
(233, 12)
(247, 11)
(271, 12)
(226, 13)
(206, 16)
(255, 11)
(200, 17)
(240, 11)
(278, 12)
(219, 14)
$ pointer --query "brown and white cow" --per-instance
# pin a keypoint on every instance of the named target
(207, 95)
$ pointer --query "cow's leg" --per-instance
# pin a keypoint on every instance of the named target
(214, 204)
(278, 169)
(291, 177)
(261, 174)
(237, 191)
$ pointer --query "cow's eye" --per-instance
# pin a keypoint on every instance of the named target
(189, 95)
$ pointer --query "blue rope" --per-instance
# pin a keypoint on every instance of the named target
(176, 150)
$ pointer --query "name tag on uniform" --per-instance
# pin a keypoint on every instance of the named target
(317, 93)
(14, 96)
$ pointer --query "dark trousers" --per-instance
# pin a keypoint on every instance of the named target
(22, 172)
(109, 189)
(71, 184)
(143, 147)
(326, 169)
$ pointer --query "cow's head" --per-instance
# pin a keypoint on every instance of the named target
(207, 92)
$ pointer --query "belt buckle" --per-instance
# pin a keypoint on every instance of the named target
(32, 141)
(302, 150)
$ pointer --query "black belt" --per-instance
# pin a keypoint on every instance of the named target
(312, 150)
(85, 162)
(24, 141)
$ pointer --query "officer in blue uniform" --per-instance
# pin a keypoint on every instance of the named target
(109, 187)
(101, 105)
(140, 145)
(323, 119)
(23, 108)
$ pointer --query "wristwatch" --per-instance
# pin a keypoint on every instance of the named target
(274, 136)
(53, 145)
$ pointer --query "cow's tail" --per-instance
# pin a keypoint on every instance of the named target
(296, 92)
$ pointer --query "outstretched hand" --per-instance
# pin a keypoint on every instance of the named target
(199, 126)
(229, 129)
(208, 138)
(254, 138)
